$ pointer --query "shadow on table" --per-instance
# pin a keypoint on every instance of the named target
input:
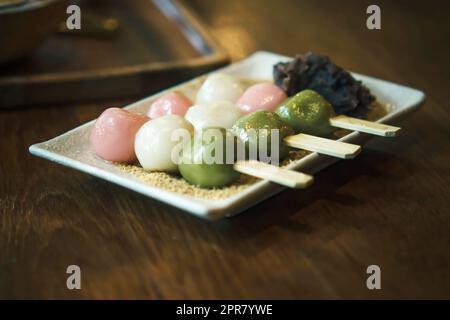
(288, 209)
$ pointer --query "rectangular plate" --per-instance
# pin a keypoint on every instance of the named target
(72, 148)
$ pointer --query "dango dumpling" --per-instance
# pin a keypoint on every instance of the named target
(261, 96)
(155, 140)
(308, 112)
(221, 114)
(169, 103)
(112, 136)
(219, 86)
(199, 170)
(257, 125)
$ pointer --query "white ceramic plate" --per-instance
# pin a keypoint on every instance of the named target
(72, 148)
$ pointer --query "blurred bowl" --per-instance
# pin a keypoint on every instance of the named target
(25, 24)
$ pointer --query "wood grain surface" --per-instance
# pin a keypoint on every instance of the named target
(389, 207)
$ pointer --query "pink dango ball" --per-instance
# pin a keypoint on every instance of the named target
(169, 103)
(113, 134)
(261, 96)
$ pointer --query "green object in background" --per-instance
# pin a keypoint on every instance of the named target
(199, 171)
(308, 112)
(256, 121)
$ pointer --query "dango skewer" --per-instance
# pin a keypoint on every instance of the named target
(309, 112)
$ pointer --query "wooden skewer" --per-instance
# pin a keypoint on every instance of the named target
(324, 146)
(370, 127)
(285, 177)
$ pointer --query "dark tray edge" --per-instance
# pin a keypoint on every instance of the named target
(111, 83)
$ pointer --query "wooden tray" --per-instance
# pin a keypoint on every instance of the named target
(159, 43)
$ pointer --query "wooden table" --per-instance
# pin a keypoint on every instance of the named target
(389, 207)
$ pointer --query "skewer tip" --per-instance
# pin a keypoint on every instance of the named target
(354, 153)
(308, 180)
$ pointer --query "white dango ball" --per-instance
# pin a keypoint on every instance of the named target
(219, 86)
(154, 142)
(220, 114)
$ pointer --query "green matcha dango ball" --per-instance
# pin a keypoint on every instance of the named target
(308, 112)
(200, 165)
(246, 127)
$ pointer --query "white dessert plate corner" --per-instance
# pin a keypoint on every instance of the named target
(72, 148)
